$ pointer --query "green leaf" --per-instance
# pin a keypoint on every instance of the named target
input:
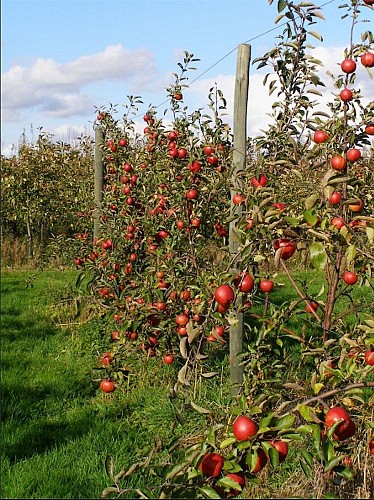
(265, 421)
(311, 201)
(209, 492)
(274, 457)
(282, 4)
(307, 457)
(227, 442)
(333, 462)
(350, 253)
(305, 429)
(306, 468)
(316, 35)
(307, 413)
(227, 482)
(344, 472)
(285, 422)
(318, 255)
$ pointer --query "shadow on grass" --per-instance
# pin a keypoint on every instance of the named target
(35, 418)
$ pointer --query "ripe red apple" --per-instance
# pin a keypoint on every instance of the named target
(239, 478)
(369, 2)
(287, 247)
(244, 428)
(107, 385)
(280, 206)
(244, 282)
(338, 222)
(182, 153)
(178, 96)
(335, 414)
(261, 181)
(224, 295)
(367, 60)
(238, 199)
(266, 286)
(371, 446)
(211, 465)
(348, 66)
(369, 129)
(338, 162)
(357, 206)
(320, 136)
(168, 359)
(353, 154)
(192, 194)
(312, 306)
(335, 198)
(106, 358)
(181, 319)
(369, 357)
(346, 95)
(350, 277)
(282, 448)
(260, 462)
(212, 159)
(343, 434)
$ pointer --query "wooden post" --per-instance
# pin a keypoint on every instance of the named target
(99, 177)
(239, 164)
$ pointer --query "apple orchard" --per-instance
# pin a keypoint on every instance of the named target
(168, 287)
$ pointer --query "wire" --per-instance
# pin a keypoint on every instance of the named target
(236, 48)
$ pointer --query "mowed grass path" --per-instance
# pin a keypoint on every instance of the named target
(57, 428)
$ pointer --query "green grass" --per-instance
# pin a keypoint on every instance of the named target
(57, 427)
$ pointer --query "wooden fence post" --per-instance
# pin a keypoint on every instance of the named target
(239, 164)
(99, 177)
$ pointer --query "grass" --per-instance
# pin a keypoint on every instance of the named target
(58, 429)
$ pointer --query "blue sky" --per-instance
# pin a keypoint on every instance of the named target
(61, 58)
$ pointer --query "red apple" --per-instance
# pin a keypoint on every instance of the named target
(244, 428)
(224, 295)
(369, 357)
(334, 415)
(346, 95)
(348, 66)
(353, 154)
(260, 462)
(367, 59)
(266, 286)
(338, 162)
(287, 247)
(335, 198)
(338, 222)
(244, 282)
(350, 277)
(211, 465)
(281, 447)
(168, 359)
(320, 136)
(347, 432)
(107, 385)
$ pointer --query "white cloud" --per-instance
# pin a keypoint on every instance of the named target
(56, 88)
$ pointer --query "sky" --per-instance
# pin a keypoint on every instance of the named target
(62, 59)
